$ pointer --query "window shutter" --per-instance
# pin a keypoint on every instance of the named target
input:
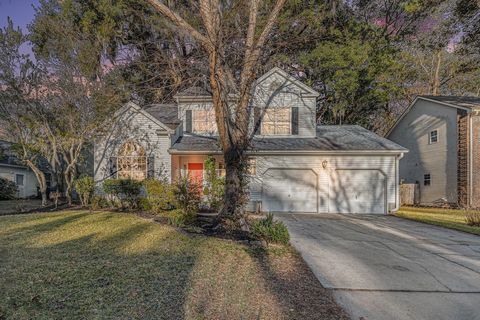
(112, 167)
(256, 117)
(188, 119)
(294, 120)
(151, 167)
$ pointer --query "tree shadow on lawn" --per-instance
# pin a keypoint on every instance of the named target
(92, 274)
(298, 291)
(119, 266)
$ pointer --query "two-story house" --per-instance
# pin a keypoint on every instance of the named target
(442, 134)
(295, 164)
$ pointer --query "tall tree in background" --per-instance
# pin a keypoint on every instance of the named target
(441, 60)
(84, 87)
(20, 89)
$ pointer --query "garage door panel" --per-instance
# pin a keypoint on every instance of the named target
(289, 190)
(358, 191)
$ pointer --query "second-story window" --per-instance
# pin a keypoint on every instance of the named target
(203, 121)
(427, 179)
(433, 137)
(277, 121)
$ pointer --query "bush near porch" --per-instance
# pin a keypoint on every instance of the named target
(112, 265)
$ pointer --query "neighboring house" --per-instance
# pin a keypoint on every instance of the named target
(443, 136)
(14, 170)
(295, 165)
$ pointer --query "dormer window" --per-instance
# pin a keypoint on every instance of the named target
(203, 121)
(277, 121)
(433, 137)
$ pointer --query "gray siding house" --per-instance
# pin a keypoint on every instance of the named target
(296, 165)
(442, 134)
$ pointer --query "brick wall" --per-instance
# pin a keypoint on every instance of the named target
(462, 157)
(475, 201)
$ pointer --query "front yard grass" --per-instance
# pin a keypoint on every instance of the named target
(105, 265)
(448, 218)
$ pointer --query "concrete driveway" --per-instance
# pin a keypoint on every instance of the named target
(383, 267)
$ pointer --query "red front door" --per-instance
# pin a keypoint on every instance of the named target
(195, 172)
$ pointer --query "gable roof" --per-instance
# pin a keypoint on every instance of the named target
(276, 70)
(467, 103)
(330, 138)
(200, 92)
(166, 113)
(131, 104)
(455, 101)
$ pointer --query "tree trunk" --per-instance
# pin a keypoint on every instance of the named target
(235, 197)
(436, 79)
(69, 182)
(42, 182)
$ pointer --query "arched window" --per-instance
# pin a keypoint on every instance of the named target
(132, 161)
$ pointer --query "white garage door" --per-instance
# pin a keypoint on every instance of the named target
(289, 190)
(357, 191)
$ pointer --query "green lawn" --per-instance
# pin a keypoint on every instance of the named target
(448, 218)
(81, 265)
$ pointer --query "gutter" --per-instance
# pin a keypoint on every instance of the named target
(300, 152)
(470, 162)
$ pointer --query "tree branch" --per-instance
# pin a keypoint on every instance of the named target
(178, 21)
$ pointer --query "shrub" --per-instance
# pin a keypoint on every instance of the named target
(160, 196)
(126, 191)
(269, 230)
(215, 185)
(99, 202)
(85, 186)
(473, 218)
(187, 195)
(8, 189)
(180, 218)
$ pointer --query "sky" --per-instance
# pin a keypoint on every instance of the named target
(21, 12)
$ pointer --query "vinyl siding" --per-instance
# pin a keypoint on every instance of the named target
(275, 91)
(438, 159)
(30, 182)
(266, 96)
(328, 175)
(133, 125)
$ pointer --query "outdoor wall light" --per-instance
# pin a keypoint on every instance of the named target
(324, 164)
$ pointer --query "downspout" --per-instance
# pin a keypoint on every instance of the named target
(470, 161)
(397, 183)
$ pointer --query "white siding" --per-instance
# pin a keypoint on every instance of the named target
(30, 181)
(133, 124)
(328, 176)
(438, 159)
(276, 91)
(267, 95)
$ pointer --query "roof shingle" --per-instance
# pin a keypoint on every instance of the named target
(165, 113)
(461, 101)
(329, 138)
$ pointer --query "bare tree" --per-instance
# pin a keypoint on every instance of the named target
(19, 91)
(226, 79)
(74, 111)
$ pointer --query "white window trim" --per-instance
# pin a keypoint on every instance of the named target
(211, 123)
(430, 136)
(429, 179)
(123, 157)
(275, 121)
(23, 179)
